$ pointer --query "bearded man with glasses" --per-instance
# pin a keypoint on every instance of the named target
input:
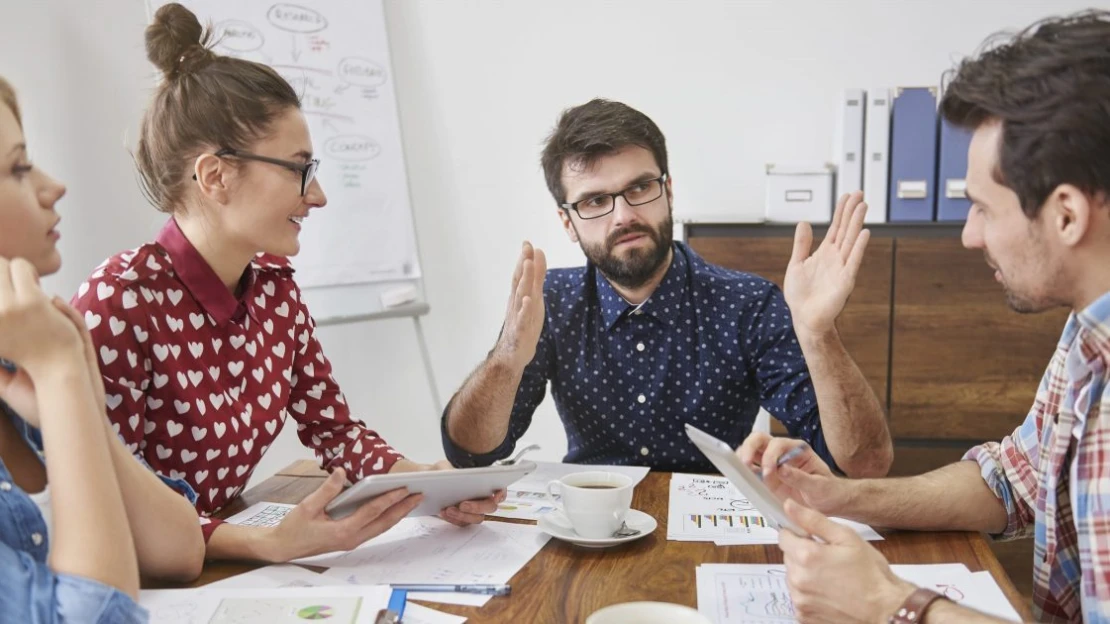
(648, 336)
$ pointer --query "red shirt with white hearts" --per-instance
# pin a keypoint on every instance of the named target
(199, 382)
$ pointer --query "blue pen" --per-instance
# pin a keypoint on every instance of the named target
(786, 457)
(791, 454)
(490, 590)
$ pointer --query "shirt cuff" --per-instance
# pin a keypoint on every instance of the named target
(461, 458)
(207, 526)
(991, 468)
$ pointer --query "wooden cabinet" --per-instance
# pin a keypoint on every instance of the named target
(963, 365)
(929, 327)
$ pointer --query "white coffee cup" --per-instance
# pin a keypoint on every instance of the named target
(595, 502)
(647, 613)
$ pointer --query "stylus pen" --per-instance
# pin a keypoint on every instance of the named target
(490, 590)
(791, 454)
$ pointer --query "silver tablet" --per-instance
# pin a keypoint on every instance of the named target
(441, 488)
(749, 484)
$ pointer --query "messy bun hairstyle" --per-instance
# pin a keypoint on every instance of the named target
(206, 102)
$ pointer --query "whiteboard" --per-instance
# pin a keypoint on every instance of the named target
(335, 54)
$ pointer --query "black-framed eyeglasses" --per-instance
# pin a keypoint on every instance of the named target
(640, 193)
(307, 170)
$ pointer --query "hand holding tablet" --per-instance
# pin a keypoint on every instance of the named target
(441, 488)
(743, 479)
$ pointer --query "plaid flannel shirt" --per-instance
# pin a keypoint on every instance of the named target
(1029, 472)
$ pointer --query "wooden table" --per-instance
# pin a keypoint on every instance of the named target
(565, 583)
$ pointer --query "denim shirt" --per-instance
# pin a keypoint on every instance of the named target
(30, 592)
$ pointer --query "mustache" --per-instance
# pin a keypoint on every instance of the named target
(632, 229)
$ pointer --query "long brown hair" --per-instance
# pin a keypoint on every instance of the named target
(205, 102)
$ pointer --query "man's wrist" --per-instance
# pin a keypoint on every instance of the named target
(819, 338)
(890, 598)
(506, 360)
(851, 492)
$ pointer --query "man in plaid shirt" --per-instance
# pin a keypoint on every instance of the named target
(1039, 179)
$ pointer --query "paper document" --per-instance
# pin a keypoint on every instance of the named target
(708, 508)
(747, 594)
(273, 577)
(429, 550)
(345, 605)
(289, 575)
(528, 498)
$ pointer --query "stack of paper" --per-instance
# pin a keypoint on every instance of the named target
(528, 498)
(429, 550)
(707, 508)
(742, 594)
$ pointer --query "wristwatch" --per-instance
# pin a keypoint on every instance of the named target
(913, 609)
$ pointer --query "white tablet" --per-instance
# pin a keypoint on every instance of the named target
(441, 488)
(743, 478)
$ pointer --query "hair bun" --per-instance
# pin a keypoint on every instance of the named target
(176, 41)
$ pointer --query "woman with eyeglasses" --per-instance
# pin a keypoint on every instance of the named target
(205, 345)
(80, 519)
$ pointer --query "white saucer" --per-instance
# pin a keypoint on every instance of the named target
(557, 525)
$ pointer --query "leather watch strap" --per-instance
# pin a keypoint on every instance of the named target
(913, 609)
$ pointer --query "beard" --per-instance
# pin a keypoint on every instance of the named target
(1024, 302)
(636, 266)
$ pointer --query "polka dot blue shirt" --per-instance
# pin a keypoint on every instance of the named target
(709, 347)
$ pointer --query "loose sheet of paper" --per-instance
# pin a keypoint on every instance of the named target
(708, 508)
(429, 550)
(528, 498)
(346, 605)
(289, 575)
(747, 594)
(273, 577)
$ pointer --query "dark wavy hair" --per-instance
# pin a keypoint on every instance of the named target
(1049, 86)
(587, 132)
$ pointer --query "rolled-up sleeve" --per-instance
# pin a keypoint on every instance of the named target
(37, 595)
(1009, 468)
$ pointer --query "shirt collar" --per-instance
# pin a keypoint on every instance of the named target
(663, 304)
(1092, 325)
(201, 280)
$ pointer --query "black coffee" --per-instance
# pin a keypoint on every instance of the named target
(601, 486)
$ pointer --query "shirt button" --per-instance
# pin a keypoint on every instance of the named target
(637, 312)
(4, 485)
(640, 346)
(36, 538)
(641, 398)
(644, 450)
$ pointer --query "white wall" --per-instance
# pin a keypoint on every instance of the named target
(733, 85)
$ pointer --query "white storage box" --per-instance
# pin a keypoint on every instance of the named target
(800, 193)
